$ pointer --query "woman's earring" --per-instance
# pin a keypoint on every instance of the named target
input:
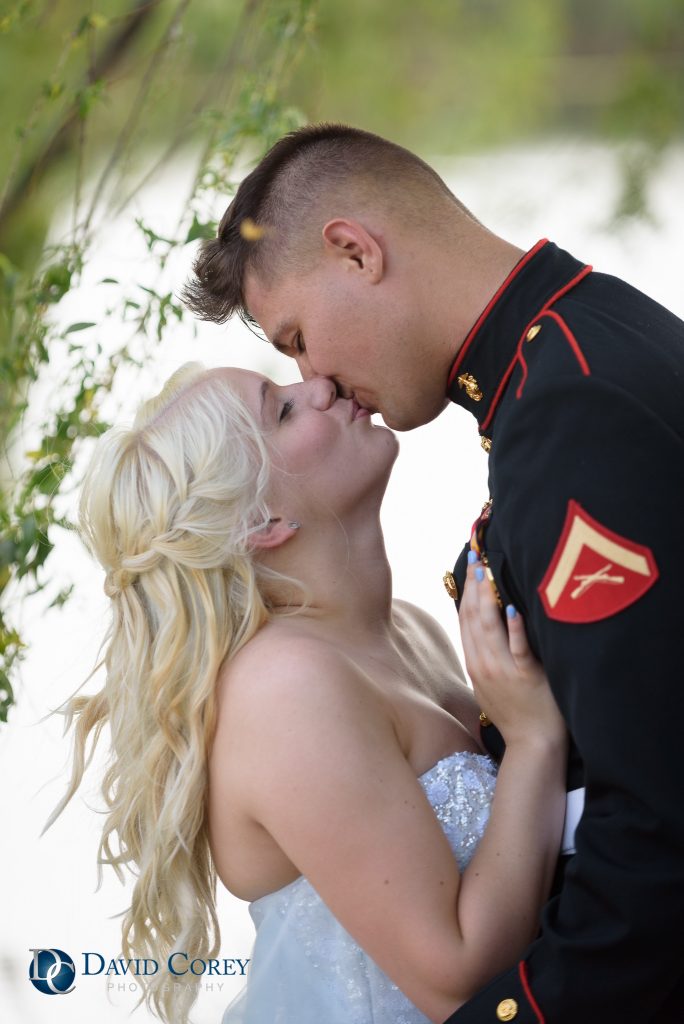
(294, 525)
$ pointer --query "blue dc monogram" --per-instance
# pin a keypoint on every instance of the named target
(52, 971)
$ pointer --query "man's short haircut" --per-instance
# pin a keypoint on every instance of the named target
(273, 224)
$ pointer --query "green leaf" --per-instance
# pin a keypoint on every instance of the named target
(55, 284)
(81, 326)
(44, 548)
(8, 552)
(62, 597)
(151, 236)
(11, 644)
(89, 95)
(6, 696)
(198, 230)
(53, 90)
(46, 480)
(5, 577)
(28, 531)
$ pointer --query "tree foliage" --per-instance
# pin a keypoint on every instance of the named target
(88, 137)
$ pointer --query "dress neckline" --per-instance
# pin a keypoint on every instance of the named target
(454, 754)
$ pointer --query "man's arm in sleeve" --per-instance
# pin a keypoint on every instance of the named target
(590, 496)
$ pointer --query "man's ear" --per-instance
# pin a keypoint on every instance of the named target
(350, 241)
(272, 535)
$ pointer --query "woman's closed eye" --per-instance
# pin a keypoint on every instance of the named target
(299, 345)
(286, 409)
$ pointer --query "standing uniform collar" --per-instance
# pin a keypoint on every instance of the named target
(488, 356)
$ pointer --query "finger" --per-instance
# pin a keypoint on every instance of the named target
(468, 616)
(468, 605)
(473, 565)
(517, 637)
(488, 603)
(472, 594)
(490, 627)
(466, 620)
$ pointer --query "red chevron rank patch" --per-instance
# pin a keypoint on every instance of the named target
(594, 573)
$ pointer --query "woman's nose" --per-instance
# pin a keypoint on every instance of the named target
(321, 392)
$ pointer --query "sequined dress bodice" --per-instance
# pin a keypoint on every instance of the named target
(306, 969)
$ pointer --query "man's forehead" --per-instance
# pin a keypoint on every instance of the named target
(262, 302)
(271, 306)
(255, 290)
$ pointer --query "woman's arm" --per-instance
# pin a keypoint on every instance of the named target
(322, 770)
(528, 809)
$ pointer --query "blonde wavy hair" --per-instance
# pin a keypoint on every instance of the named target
(167, 508)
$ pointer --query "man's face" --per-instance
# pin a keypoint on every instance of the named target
(365, 336)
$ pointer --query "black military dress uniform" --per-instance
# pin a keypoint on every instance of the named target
(577, 383)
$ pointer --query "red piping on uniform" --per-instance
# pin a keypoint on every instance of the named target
(502, 384)
(522, 971)
(572, 341)
(488, 308)
(566, 287)
(544, 311)
(523, 380)
(574, 345)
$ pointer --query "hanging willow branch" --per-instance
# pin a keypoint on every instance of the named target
(249, 85)
(61, 141)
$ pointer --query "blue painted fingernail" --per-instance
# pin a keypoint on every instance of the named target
(479, 574)
(511, 611)
(472, 557)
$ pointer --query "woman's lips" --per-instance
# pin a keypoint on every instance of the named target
(358, 411)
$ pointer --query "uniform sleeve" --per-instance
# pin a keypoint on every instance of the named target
(590, 496)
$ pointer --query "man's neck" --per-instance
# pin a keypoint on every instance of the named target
(472, 271)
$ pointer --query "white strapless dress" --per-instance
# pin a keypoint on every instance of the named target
(306, 969)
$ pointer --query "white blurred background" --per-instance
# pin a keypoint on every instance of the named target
(564, 191)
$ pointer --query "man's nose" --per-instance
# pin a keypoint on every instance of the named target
(305, 366)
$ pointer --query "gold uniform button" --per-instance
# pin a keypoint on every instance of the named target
(472, 388)
(533, 332)
(450, 585)
(486, 443)
(507, 1009)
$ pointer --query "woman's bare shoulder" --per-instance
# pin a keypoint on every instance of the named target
(288, 702)
(416, 618)
(284, 646)
(284, 666)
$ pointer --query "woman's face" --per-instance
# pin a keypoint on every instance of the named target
(326, 453)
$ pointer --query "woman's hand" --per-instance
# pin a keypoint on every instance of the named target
(510, 684)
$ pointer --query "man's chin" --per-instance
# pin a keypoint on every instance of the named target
(406, 419)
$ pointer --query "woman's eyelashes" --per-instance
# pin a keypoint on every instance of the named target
(286, 409)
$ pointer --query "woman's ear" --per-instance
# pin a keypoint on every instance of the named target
(276, 532)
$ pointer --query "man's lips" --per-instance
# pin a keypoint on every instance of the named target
(358, 411)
